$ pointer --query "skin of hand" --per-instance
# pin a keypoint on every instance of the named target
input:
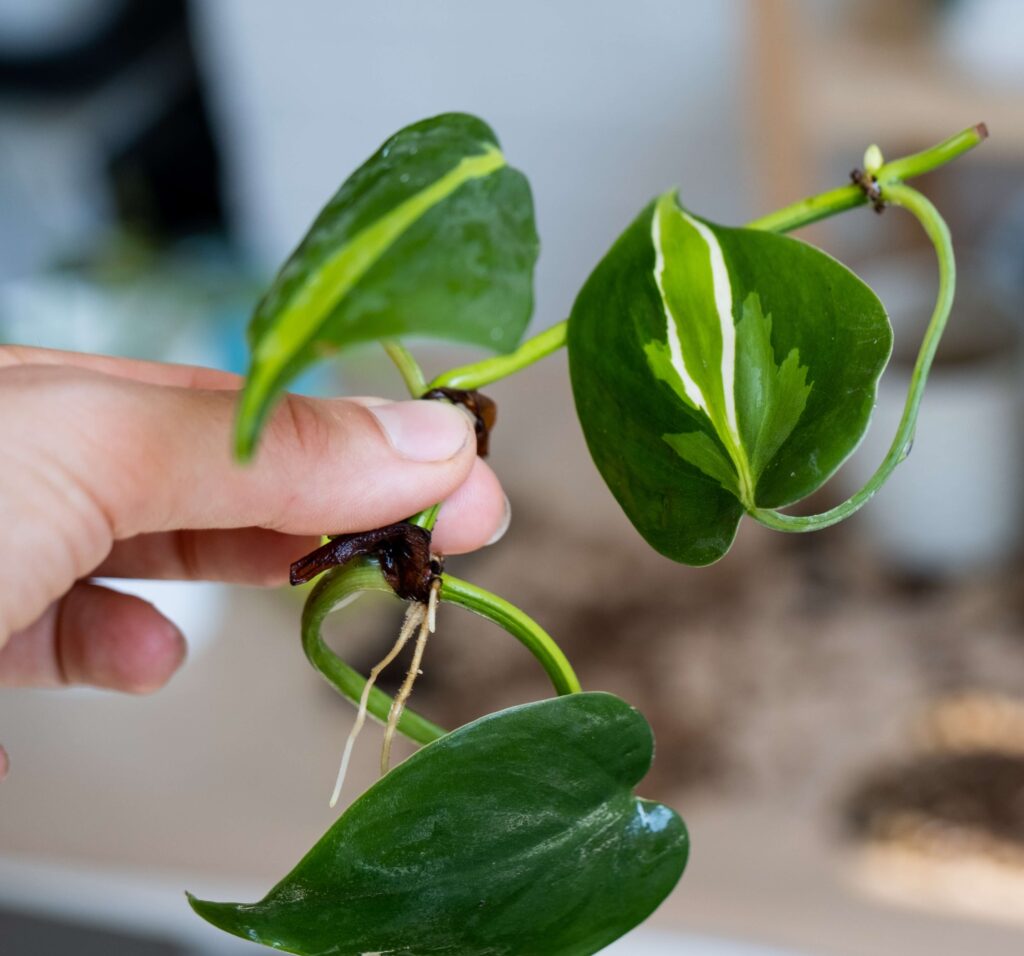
(120, 468)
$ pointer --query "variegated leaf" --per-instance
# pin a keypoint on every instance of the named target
(719, 370)
(433, 236)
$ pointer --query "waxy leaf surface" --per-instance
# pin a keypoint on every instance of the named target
(719, 370)
(518, 833)
(434, 235)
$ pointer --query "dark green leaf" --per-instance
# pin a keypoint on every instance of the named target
(434, 235)
(515, 834)
(719, 370)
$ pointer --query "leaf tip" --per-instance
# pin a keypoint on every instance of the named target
(244, 443)
(216, 914)
(252, 411)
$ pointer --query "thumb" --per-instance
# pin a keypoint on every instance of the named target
(95, 459)
(155, 458)
(322, 467)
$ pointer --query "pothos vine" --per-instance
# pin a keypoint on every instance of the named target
(717, 373)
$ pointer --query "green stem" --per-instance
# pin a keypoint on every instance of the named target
(479, 374)
(416, 382)
(409, 368)
(341, 586)
(334, 590)
(522, 627)
(427, 518)
(801, 213)
(917, 164)
(937, 230)
(814, 208)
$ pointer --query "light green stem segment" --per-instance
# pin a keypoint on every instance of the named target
(911, 200)
(801, 213)
(917, 164)
(427, 518)
(522, 627)
(343, 585)
(490, 370)
(416, 382)
(407, 366)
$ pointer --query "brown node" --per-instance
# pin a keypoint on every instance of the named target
(483, 409)
(403, 550)
(869, 186)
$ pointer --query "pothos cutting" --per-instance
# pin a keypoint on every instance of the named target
(718, 372)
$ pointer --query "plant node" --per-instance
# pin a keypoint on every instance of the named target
(483, 409)
(869, 186)
(403, 550)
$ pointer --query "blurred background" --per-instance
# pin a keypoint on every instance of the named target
(840, 717)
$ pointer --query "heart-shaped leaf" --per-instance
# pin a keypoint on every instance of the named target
(719, 370)
(517, 833)
(433, 235)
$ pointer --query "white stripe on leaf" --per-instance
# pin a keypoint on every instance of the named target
(750, 402)
(723, 306)
(690, 390)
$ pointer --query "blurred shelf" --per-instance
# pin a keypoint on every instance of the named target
(903, 94)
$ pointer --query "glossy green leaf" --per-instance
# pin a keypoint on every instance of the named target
(515, 834)
(719, 370)
(433, 235)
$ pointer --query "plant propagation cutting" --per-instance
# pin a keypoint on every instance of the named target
(717, 372)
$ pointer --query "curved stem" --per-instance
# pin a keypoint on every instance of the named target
(341, 586)
(933, 223)
(479, 374)
(801, 213)
(409, 368)
(333, 591)
(521, 626)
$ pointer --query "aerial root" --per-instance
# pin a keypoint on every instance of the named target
(415, 616)
(427, 624)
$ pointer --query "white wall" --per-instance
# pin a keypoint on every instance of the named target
(603, 104)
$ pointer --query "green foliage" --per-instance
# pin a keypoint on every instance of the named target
(770, 398)
(433, 235)
(718, 371)
(517, 833)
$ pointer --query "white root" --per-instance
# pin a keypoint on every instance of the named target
(428, 624)
(415, 616)
(435, 596)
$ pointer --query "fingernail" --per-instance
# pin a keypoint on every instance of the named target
(424, 431)
(503, 527)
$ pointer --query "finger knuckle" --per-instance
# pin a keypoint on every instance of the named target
(300, 428)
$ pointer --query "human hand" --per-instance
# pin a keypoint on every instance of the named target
(121, 468)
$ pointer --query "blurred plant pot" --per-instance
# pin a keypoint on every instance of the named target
(955, 504)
